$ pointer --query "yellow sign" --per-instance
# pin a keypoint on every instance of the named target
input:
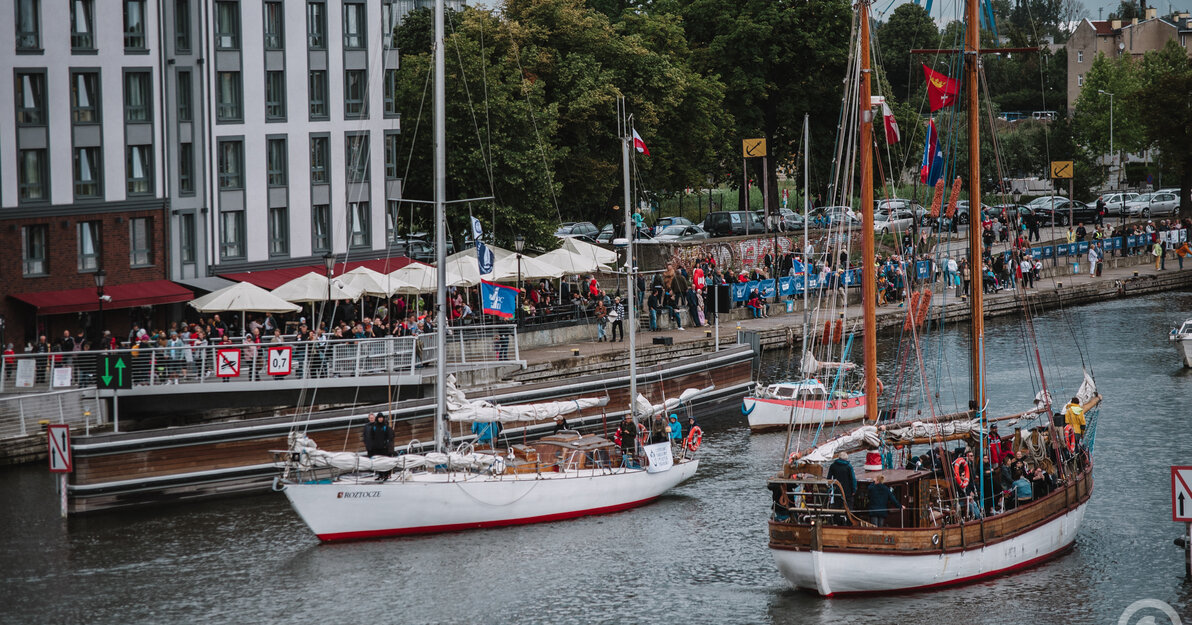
(753, 147)
(1061, 169)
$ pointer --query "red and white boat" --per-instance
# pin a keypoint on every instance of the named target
(801, 403)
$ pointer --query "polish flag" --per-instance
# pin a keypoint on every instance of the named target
(640, 145)
(892, 134)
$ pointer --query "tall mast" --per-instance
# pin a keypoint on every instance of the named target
(972, 46)
(868, 271)
(623, 123)
(806, 226)
(440, 139)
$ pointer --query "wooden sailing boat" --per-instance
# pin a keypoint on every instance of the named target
(823, 544)
(344, 496)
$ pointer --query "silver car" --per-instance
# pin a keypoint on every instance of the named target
(681, 232)
(1157, 203)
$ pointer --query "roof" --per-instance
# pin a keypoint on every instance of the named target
(272, 278)
(122, 296)
(1103, 27)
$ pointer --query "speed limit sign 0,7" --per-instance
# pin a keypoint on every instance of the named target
(279, 360)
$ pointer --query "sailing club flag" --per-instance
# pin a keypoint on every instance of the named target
(639, 145)
(892, 134)
(498, 300)
(484, 256)
(932, 166)
(941, 90)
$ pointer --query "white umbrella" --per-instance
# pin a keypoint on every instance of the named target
(587, 250)
(242, 297)
(570, 262)
(312, 287)
(463, 270)
(531, 269)
(498, 253)
(414, 278)
(368, 282)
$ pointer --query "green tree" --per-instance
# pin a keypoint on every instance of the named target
(1091, 116)
(910, 27)
(1163, 104)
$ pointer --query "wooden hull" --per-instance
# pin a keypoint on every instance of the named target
(835, 561)
(769, 414)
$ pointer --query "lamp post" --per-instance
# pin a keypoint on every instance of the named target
(328, 268)
(101, 277)
(519, 244)
(1111, 154)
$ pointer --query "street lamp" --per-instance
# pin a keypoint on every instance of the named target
(328, 268)
(101, 277)
(519, 244)
(1111, 154)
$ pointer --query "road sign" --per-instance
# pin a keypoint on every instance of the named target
(753, 147)
(1181, 494)
(227, 363)
(1061, 169)
(60, 460)
(113, 371)
(279, 360)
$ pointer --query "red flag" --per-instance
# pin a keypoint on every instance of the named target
(639, 144)
(941, 90)
(892, 134)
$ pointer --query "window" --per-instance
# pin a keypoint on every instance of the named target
(186, 237)
(186, 168)
(33, 250)
(184, 100)
(140, 247)
(274, 26)
(279, 231)
(231, 165)
(84, 97)
(140, 170)
(1080, 56)
(354, 26)
(357, 157)
(227, 97)
(89, 242)
(319, 154)
(318, 94)
(182, 26)
(358, 224)
(31, 99)
(87, 173)
(275, 154)
(28, 25)
(275, 96)
(355, 93)
(391, 220)
(231, 236)
(391, 156)
(137, 97)
(82, 25)
(391, 93)
(1080, 80)
(134, 24)
(227, 25)
(389, 24)
(316, 25)
(31, 176)
(320, 215)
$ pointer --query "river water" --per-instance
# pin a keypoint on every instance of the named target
(696, 556)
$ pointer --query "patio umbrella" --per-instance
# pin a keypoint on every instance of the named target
(368, 282)
(595, 252)
(312, 287)
(413, 279)
(242, 297)
(571, 263)
(531, 269)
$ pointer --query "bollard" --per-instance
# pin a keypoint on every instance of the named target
(1059, 285)
(575, 351)
(1135, 273)
(707, 334)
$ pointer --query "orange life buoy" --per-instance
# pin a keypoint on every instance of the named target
(960, 469)
(642, 434)
(694, 438)
(1069, 438)
(880, 388)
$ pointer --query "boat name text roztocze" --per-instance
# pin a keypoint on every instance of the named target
(358, 495)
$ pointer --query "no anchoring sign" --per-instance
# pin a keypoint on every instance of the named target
(1181, 494)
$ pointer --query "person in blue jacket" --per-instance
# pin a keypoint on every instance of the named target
(486, 432)
(881, 501)
(676, 430)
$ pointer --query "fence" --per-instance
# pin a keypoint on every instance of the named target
(21, 415)
(206, 364)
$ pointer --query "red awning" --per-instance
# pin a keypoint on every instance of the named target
(123, 296)
(272, 278)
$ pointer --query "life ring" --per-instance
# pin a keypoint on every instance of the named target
(960, 469)
(643, 435)
(880, 388)
(694, 438)
(1070, 438)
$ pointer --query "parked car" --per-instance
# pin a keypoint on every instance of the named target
(680, 232)
(731, 223)
(417, 249)
(1157, 203)
(887, 221)
(663, 222)
(606, 234)
(1079, 211)
(834, 215)
(1115, 203)
(577, 228)
(901, 204)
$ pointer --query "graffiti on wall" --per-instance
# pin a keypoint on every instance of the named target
(748, 253)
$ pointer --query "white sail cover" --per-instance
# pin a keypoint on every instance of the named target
(920, 429)
(460, 408)
(311, 457)
(1087, 389)
(645, 409)
(811, 365)
(863, 437)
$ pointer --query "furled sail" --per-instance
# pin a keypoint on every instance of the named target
(460, 408)
(811, 365)
(646, 410)
(311, 457)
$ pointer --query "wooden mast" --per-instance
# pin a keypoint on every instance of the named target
(972, 57)
(868, 271)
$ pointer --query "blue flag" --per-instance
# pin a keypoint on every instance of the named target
(498, 300)
(484, 256)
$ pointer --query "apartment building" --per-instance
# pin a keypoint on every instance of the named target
(1115, 38)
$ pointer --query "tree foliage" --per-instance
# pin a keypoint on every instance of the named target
(1092, 110)
(909, 27)
(1162, 102)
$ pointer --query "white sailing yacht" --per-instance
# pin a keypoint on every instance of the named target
(345, 496)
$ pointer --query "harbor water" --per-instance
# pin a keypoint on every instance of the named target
(698, 555)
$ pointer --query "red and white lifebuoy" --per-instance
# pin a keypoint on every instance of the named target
(960, 469)
(1070, 438)
(694, 438)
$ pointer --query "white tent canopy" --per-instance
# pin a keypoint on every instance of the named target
(368, 282)
(569, 262)
(242, 297)
(587, 250)
(531, 268)
(312, 287)
(414, 278)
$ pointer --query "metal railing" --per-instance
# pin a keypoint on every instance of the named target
(469, 346)
(22, 415)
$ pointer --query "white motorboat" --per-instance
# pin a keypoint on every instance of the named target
(1182, 337)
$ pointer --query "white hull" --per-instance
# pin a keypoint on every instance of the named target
(835, 573)
(765, 414)
(1184, 345)
(440, 502)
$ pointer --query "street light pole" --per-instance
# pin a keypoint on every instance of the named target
(1112, 156)
(519, 244)
(328, 267)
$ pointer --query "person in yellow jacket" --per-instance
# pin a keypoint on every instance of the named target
(1074, 416)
